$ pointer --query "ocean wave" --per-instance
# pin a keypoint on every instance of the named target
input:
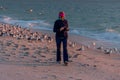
(109, 35)
(110, 30)
(37, 24)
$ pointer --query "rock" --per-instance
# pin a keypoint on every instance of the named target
(38, 60)
(15, 45)
(13, 48)
(37, 52)
(7, 54)
(8, 44)
(43, 56)
(33, 56)
(24, 54)
(23, 45)
(24, 48)
(94, 65)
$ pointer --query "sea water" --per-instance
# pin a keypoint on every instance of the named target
(98, 19)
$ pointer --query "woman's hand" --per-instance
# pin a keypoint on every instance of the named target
(62, 28)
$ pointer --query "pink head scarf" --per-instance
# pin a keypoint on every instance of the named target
(61, 14)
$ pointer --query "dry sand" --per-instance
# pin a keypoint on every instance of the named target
(21, 59)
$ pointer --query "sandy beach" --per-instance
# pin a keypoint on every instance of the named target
(28, 55)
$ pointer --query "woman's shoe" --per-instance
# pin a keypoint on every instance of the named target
(65, 63)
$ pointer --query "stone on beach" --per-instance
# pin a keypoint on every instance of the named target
(24, 54)
(15, 45)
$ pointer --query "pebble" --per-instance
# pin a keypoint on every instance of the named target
(38, 60)
(94, 65)
(24, 54)
(8, 44)
(15, 45)
(24, 48)
(33, 56)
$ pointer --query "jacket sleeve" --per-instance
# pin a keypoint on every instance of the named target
(55, 28)
(67, 27)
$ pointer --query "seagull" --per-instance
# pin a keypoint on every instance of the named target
(44, 36)
(81, 49)
(94, 44)
(108, 51)
(31, 10)
(50, 39)
(115, 49)
(100, 48)
(73, 44)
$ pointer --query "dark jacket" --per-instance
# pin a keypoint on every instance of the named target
(57, 25)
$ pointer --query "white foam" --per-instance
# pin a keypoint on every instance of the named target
(40, 24)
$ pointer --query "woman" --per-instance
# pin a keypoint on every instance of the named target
(61, 30)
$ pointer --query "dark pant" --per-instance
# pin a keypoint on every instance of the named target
(65, 52)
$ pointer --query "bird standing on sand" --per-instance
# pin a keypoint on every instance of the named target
(72, 44)
(94, 44)
(100, 48)
(108, 51)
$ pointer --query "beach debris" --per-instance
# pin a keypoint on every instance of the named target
(93, 44)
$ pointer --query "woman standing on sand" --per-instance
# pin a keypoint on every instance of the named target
(61, 30)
